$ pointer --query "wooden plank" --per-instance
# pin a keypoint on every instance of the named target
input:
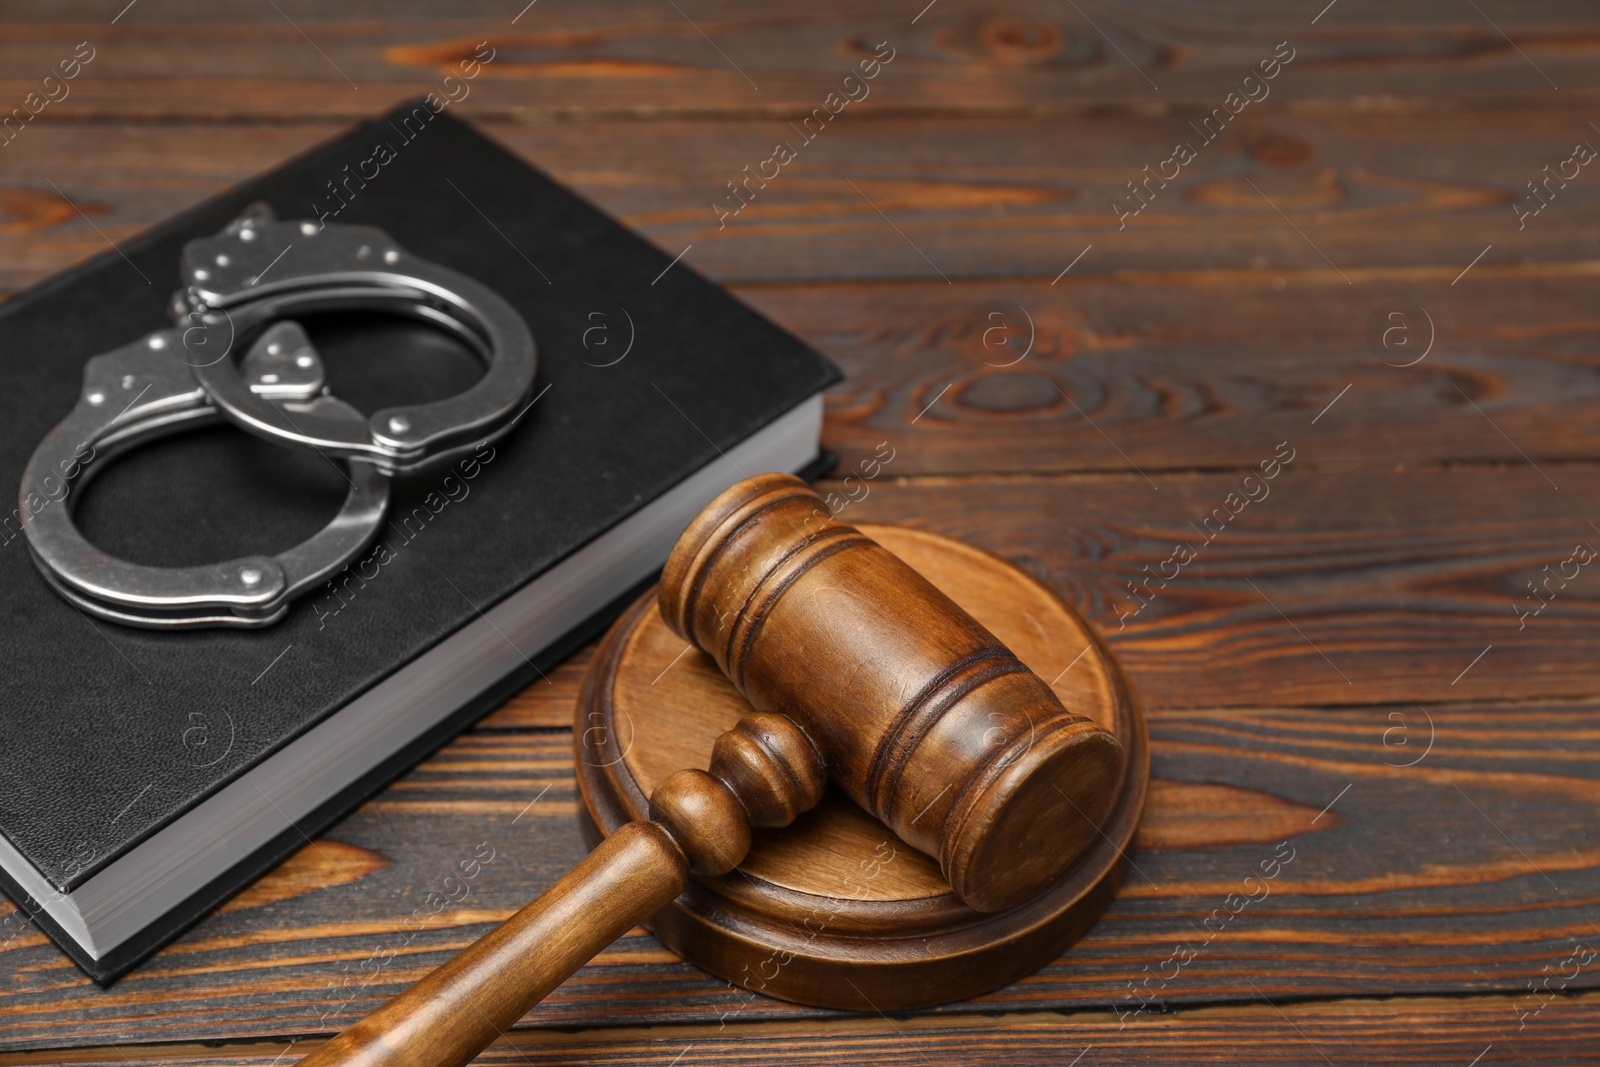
(1412, 1030)
(1205, 370)
(302, 59)
(1349, 584)
(1393, 880)
(902, 198)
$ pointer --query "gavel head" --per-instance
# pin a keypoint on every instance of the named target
(921, 715)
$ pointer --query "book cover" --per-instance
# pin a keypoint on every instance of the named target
(647, 374)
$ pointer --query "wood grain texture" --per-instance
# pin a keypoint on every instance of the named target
(1446, 1031)
(639, 59)
(1367, 192)
(1205, 370)
(1192, 341)
(1342, 584)
(1404, 886)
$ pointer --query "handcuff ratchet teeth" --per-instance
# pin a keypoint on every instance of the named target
(243, 285)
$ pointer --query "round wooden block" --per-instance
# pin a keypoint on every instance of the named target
(835, 910)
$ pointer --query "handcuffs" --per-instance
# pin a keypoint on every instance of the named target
(241, 287)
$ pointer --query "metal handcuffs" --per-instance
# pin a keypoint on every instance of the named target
(241, 287)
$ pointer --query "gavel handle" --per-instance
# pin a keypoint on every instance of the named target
(764, 772)
(450, 1016)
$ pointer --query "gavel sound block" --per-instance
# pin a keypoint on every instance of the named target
(836, 909)
(854, 668)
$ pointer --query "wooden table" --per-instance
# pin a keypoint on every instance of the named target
(1351, 272)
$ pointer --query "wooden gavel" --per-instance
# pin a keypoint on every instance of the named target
(861, 672)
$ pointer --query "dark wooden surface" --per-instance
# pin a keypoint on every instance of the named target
(1322, 650)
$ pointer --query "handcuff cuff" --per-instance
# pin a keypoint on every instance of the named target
(241, 287)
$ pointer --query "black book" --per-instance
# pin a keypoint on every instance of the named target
(146, 775)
